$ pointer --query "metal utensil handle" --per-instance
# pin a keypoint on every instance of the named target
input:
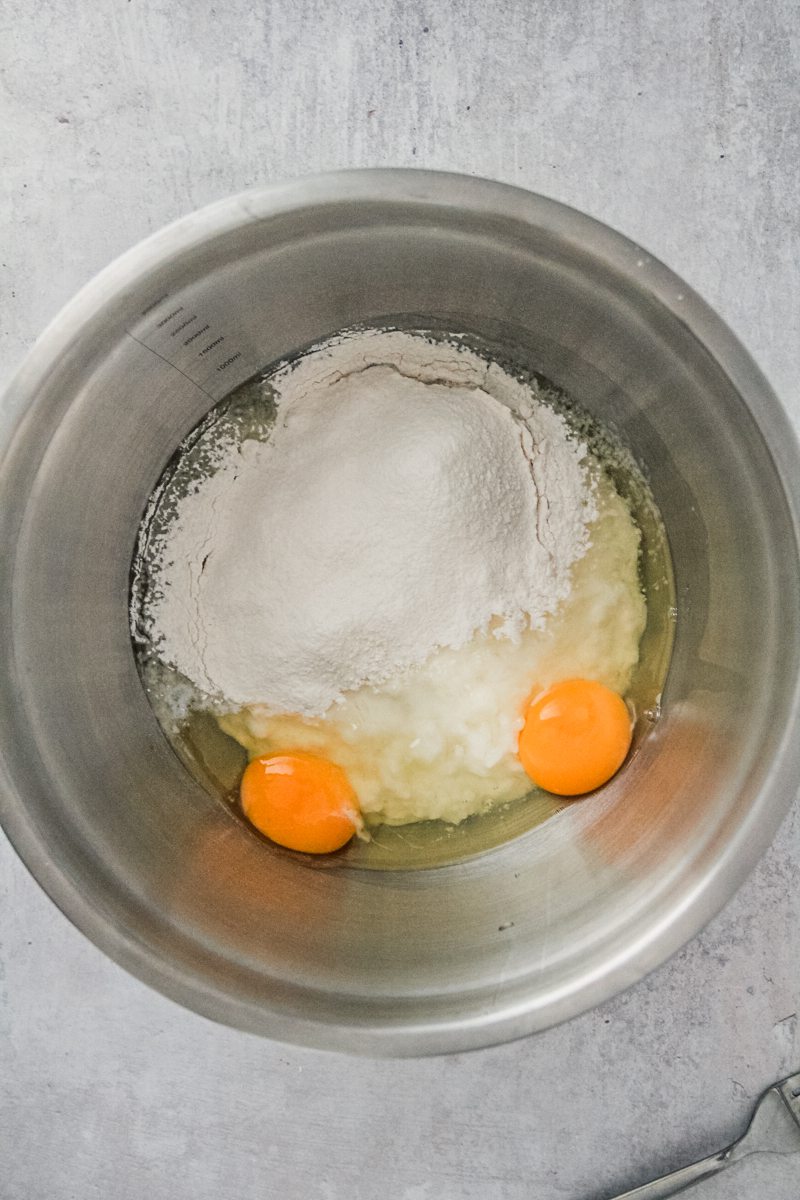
(676, 1181)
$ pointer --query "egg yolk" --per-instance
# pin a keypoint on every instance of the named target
(300, 801)
(575, 737)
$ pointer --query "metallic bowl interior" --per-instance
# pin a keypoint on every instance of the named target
(150, 865)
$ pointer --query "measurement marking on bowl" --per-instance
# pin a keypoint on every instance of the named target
(197, 333)
(165, 320)
(183, 325)
(155, 304)
(205, 355)
(171, 364)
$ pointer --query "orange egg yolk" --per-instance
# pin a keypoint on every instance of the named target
(575, 737)
(300, 801)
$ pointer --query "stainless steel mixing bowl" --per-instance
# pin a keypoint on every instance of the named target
(153, 868)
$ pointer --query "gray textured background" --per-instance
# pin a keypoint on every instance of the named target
(675, 121)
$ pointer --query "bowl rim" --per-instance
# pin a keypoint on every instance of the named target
(749, 840)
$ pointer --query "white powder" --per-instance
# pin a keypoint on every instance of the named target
(409, 495)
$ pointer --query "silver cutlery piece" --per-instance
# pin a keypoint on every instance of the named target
(774, 1129)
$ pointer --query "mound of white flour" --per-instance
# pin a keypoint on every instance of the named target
(409, 495)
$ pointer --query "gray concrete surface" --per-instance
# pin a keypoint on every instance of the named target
(674, 120)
